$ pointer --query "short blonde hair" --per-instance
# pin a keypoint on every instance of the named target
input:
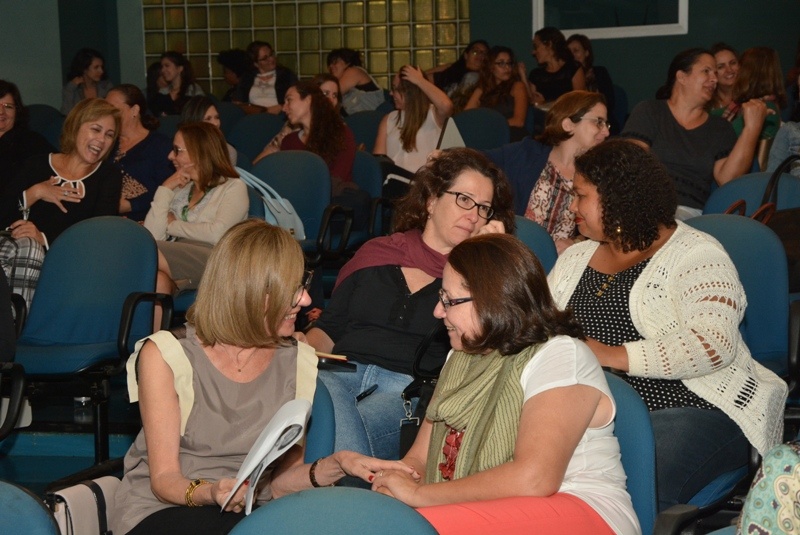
(87, 110)
(209, 151)
(247, 286)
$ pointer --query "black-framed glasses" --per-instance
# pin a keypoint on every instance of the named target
(479, 52)
(304, 286)
(468, 203)
(504, 64)
(599, 121)
(447, 303)
(8, 106)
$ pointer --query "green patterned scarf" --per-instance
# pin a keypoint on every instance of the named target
(482, 395)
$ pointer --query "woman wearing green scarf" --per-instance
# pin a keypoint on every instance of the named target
(519, 434)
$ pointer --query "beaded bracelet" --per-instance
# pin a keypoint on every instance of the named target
(190, 491)
(312, 474)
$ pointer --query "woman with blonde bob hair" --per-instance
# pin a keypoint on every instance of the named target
(194, 207)
(48, 193)
(206, 394)
(541, 170)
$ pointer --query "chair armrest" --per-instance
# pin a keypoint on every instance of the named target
(794, 349)
(671, 521)
(17, 376)
(324, 240)
(385, 205)
(128, 310)
(20, 312)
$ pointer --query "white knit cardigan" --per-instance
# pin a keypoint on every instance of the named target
(688, 303)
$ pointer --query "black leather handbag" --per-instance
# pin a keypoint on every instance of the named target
(421, 387)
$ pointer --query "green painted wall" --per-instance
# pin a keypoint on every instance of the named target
(640, 64)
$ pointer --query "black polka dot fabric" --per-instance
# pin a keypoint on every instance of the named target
(600, 303)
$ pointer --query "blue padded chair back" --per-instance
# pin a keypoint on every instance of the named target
(229, 115)
(22, 512)
(364, 125)
(334, 511)
(751, 188)
(86, 276)
(538, 240)
(637, 446)
(760, 259)
(52, 132)
(168, 125)
(483, 128)
(303, 178)
(367, 173)
(251, 133)
(243, 161)
(321, 425)
(41, 115)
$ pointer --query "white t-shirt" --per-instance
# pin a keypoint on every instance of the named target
(263, 91)
(595, 473)
(427, 138)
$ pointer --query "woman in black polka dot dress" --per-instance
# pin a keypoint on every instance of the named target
(662, 302)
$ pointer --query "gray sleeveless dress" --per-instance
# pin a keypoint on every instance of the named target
(218, 427)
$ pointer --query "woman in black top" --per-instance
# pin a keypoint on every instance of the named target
(558, 72)
(597, 78)
(49, 193)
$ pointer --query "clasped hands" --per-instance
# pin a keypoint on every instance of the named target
(399, 484)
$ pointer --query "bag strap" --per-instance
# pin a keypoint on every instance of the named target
(100, 501)
(263, 188)
(421, 377)
(771, 192)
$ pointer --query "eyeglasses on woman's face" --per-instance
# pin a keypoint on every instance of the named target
(468, 203)
(304, 286)
(447, 303)
(599, 121)
(503, 64)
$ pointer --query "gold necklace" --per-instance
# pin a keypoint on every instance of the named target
(235, 359)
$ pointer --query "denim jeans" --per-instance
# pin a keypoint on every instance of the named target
(693, 447)
(370, 426)
(786, 143)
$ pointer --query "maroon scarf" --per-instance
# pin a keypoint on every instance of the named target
(405, 249)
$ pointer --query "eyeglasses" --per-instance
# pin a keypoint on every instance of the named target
(599, 121)
(447, 303)
(8, 106)
(503, 63)
(468, 203)
(266, 57)
(481, 53)
(304, 286)
(329, 94)
(177, 150)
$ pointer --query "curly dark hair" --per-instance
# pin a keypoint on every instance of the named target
(510, 295)
(432, 180)
(494, 92)
(348, 55)
(326, 136)
(637, 194)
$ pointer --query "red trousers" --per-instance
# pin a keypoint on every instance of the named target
(559, 514)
